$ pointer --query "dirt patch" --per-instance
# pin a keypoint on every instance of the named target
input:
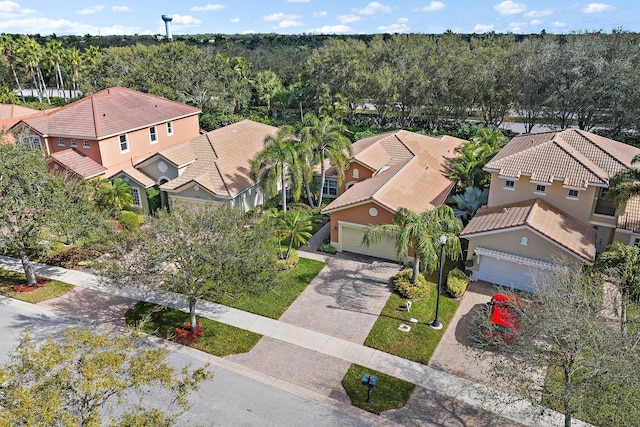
(23, 287)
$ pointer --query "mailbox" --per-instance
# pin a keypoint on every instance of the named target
(365, 379)
(370, 382)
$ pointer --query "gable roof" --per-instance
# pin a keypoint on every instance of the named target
(575, 236)
(415, 177)
(222, 161)
(11, 114)
(110, 112)
(576, 157)
(138, 176)
(79, 163)
(630, 217)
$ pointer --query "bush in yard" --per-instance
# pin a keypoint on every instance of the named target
(327, 248)
(289, 263)
(457, 282)
(130, 220)
(402, 284)
(72, 257)
(300, 207)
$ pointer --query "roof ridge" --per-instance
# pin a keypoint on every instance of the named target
(383, 186)
(592, 142)
(579, 157)
(226, 187)
(215, 153)
(94, 113)
(532, 212)
(517, 153)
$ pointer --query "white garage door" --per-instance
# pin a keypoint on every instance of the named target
(506, 273)
(352, 242)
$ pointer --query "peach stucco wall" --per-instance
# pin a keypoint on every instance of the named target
(93, 151)
(359, 215)
(363, 173)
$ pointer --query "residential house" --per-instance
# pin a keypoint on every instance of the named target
(388, 171)
(208, 170)
(547, 200)
(109, 131)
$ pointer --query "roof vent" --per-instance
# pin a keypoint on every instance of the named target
(104, 114)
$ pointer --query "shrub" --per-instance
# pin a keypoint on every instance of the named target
(457, 282)
(300, 207)
(73, 257)
(328, 248)
(130, 220)
(289, 263)
(402, 284)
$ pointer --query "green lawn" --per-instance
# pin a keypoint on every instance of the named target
(275, 302)
(218, 339)
(389, 393)
(51, 289)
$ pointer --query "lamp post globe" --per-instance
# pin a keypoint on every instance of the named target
(436, 324)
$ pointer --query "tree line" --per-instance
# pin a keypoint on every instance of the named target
(420, 81)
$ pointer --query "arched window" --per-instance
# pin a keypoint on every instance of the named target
(355, 173)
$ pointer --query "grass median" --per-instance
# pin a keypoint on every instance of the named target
(49, 289)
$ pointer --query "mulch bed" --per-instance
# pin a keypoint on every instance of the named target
(23, 287)
(184, 334)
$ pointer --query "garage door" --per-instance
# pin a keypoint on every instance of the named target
(506, 273)
(352, 239)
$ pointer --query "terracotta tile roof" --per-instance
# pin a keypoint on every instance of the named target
(109, 112)
(180, 154)
(223, 158)
(572, 234)
(630, 218)
(11, 114)
(415, 176)
(78, 163)
(140, 177)
(578, 158)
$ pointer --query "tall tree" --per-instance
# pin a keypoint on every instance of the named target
(325, 137)
(8, 46)
(78, 378)
(32, 53)
(279, 163)
(54, 53)
(420, 232)
(625, 184)
(198, 253)
(267, 84)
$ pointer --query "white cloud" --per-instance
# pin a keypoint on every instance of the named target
(394, 28)
(235, 20)
(120, 8)
(348, 19)
(320, 14)
(483, 28)
(598, 8)
(538, 13)
(509, 7)
(249, 32)
(517, 27)
(374, 8)
(183, 21)
(90, 10)
(11, 10)
(403, 20)
(280, 17)
(65, 26)
(208, 8)
(331, 29)
(289, 23)
(431, 7)
(558, 24)
(536, 22)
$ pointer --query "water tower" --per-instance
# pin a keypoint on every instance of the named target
(167, 25)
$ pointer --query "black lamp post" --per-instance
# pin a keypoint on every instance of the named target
(436, 324)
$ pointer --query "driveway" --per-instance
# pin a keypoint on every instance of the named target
(344, 301)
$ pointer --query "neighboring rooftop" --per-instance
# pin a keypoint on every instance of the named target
(572, 234)
(110, 112)
(11, 114)
(575, 157)
(79, 163)
(415, 174)
(630, 218)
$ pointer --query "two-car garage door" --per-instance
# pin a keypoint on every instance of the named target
(352, 242)
(507, 273)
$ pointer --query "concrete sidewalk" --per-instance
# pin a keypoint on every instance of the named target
(424, 376)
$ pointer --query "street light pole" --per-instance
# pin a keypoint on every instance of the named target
(436, 324)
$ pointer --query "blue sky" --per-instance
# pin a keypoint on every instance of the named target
(108, 17)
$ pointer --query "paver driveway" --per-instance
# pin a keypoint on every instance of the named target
(344, 301)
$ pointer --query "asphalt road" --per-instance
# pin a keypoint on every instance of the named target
(230, 399)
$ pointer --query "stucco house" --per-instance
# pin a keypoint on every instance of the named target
(388, 171)
(106, 132)
(547, 199)
(208, 170)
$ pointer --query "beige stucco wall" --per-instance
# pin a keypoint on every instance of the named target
(509, 242)
(359, 215)
(556, 195)
(249, 199)
(624, 237)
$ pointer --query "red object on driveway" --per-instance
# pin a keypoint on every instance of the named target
(504, 319)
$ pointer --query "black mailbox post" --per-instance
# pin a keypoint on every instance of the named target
(370, 382)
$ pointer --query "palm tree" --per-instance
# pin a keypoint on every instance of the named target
(55, 52)
(421, 232)
(467, 168)
(75, 59)
(623, 263)
(31, 52)
(7, 45)
(625, 184)
(278, 161)
(326, 138)
(295, 227)
(114, 195)
(468, 203)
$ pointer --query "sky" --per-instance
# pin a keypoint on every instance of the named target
(121, 17)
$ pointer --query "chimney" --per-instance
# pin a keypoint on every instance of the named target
(167, 25)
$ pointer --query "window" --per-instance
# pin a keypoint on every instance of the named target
(85, 144)
(524, 241)
(356, 173)
(330, 187)
(153, 136)
(635, 241)
(74, 143)
(35, 142)
(135, 193)
(169, 128)
(509, 184)
(572, 194)
(61, 142)
(541, 189)
(124, 143)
